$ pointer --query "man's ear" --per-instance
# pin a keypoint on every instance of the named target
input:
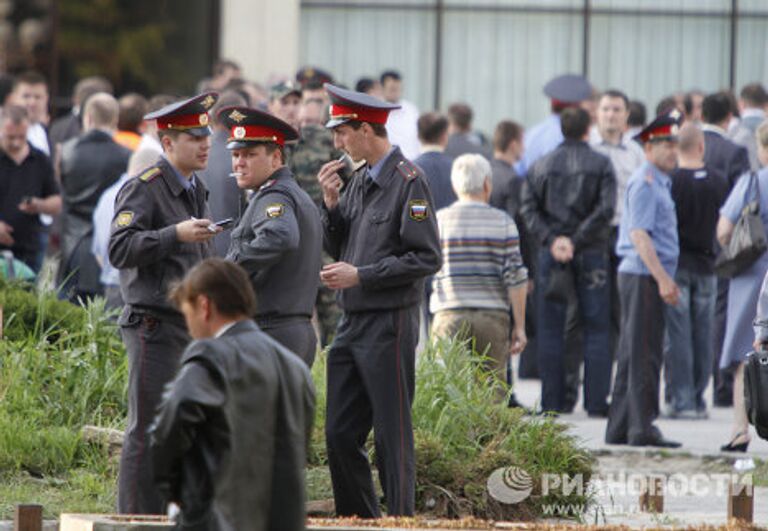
(167, 143)
(203, 304)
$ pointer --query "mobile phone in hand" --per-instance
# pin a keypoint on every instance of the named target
(224, 224)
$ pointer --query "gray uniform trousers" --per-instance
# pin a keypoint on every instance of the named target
(635, 401)
(154, 349)
(371, 367)
(295, 333)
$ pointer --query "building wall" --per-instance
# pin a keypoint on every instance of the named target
(261, 35)
(497, 54)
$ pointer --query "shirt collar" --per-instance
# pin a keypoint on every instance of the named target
(659, 175)
(713, 129)
(753, 112)
(598, 139)
(223, 330)
(375, 170)
(432, 148)
(183, 181)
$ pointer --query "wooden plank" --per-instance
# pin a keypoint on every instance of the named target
(652, 495)
(741, 501)
(29, 517)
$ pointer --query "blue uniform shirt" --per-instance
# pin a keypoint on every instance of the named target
(187, 184)
(540, 140)
(648, 205)
(102, 222)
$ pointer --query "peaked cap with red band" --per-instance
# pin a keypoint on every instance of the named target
(348, 105)
(663, 127)
(190, 116)
(248, 127)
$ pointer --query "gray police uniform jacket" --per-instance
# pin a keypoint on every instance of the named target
(143, 244)
(230, 439)
(389, 232)
(278, 242)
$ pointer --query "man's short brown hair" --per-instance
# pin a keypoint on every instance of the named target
(431, 126)
(460, 115)
(225, 283)
(133, 107)
(506, 132)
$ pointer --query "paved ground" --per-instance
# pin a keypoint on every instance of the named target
(699, 437)
(697, 474)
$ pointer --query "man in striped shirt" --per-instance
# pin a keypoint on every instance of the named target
(483, 272)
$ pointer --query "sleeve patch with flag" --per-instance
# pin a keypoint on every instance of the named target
(418, 210)
(275, 210)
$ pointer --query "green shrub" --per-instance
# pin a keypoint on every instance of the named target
(61, 367)
(463, 433)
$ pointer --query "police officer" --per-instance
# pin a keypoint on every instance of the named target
(381, 228)
(160, 230)
(278, 239)
(648, 248)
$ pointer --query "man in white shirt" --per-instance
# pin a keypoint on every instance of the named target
(401, 125)
(752, 102)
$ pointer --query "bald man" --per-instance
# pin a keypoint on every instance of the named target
(698, 192)
(90, 164)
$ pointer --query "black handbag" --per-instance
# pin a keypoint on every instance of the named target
(748, 241)
(756, 391)
(561, 286)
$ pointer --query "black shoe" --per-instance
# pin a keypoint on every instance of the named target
(599, 414)
(733, 447)
(659, 442)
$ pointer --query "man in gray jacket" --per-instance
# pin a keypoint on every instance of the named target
(279, 238)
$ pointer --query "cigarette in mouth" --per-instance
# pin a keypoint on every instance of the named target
(236, 174)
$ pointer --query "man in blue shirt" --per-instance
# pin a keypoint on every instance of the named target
(648, 248)
(564, 91)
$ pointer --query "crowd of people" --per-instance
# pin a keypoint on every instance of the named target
(348, 219)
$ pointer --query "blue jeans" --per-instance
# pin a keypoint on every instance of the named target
(591, 280)
(688, 341)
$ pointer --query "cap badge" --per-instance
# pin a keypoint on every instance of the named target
(239, 132)
(237, 116)
(208, 101)
(675, 114)
(204, 119)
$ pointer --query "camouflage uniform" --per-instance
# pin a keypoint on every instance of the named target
(315, 148)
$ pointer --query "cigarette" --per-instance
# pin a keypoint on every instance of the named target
(236, 174)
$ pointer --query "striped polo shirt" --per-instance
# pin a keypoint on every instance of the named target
(481, 258)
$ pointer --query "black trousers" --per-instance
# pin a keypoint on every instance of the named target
(635, 402)
(296, 334)
(371, 367)
(154, 349)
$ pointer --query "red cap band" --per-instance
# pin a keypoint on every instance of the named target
(660, 132)
(361, 114)
(184, 121)
(256, 133)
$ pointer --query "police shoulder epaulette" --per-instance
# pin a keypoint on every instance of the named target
(150, 174)
(408, 169)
